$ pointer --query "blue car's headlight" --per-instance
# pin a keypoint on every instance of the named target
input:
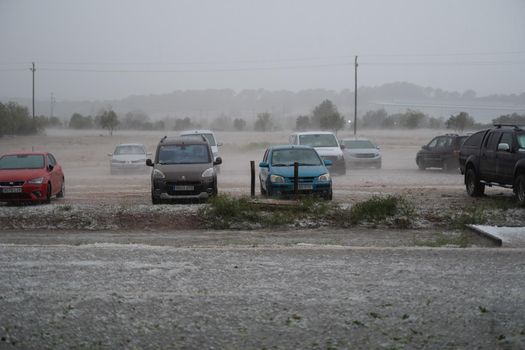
(276, 179)
(324, 178)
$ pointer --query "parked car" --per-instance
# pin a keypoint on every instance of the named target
(326, 145)
(30, 177)
(276, 171)
(361, 152)
(495, 157)
(441, 152)
(183, 168)
(128, 157)
(210, 137)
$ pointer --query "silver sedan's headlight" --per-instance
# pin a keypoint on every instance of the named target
(324, 178)
(157, 174)
(208, 172)
(276, 179)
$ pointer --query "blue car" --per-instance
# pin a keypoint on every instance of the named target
(276, 173)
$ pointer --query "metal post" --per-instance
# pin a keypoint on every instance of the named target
(252, 169)
(295, 178)
(355, 98)
(33, 70)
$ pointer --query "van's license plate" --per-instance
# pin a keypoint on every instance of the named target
(183, 188)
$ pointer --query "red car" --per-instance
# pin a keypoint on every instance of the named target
(30, 177)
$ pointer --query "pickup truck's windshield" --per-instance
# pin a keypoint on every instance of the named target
(521, 140)
(318, 140)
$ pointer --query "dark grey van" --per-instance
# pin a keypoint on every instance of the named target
(183, 169)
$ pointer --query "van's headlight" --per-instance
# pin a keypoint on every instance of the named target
(276, 179)
(324, 178)
(38, 180)
(157, 174)
(208, 172)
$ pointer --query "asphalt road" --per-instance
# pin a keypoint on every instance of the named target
(105, 293)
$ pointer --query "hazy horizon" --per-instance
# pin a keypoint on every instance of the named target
(104, 51)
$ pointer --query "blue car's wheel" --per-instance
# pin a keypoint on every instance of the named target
(269, 191)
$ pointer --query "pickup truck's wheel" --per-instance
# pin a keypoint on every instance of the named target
(474, 187)
(421, 164)
(519, 189)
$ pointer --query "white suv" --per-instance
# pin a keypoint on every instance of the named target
(326, 144)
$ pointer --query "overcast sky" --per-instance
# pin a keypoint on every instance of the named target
(102, 49)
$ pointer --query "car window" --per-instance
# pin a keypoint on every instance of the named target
(433, 143)
(287, 157)
(22, 161)
(129, 149)
(184, 154)
(356, 144)
(521, 140)
(51, 160)
(506, 138)
(475, 139)
(209, 137)
(492, 141)
(318, 140)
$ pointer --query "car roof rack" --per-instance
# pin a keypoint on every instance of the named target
(515, 126)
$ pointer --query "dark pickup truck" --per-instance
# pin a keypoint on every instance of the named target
(494, 157)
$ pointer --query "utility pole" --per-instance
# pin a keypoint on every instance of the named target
(355, 98)
(33, 70)
(53, 101)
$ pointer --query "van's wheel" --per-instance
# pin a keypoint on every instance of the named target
(215, 190)
(48, 194)
(474, 187)
(519, 189)
(155, 199)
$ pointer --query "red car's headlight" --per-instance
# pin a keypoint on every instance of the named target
(38, 180)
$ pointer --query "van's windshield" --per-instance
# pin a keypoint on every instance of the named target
(318, 140)
(184, 154)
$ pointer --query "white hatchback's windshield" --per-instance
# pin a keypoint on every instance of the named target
(356, 144)
(318, 140)
(287, 157)
(22, 161)
(184, 154)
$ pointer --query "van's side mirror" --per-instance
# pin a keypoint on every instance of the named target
(149, 162)
(504, 147)
(264, 165)
(217, 161)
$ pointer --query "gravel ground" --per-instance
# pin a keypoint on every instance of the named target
(111, 295)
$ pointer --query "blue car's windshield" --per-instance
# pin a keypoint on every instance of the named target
(287, 157)
(22, 161)
(184, 154)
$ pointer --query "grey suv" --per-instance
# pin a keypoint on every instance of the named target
(183, 169)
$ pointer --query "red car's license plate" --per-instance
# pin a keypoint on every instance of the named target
(11, 189)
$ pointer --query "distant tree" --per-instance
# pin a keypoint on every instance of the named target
(263, 122)
(460, 122)
(239, 124)
(159, 125)
(375, 119)
(333, 122)
(513, 118)
(15, 120)
(302, 122)
(78, 121)
(324, 110)
(136, 120)
(222, 122)
(182, 124)
(412, 119)
(436, 123)
(108, 119)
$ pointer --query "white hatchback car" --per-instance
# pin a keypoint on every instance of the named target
(326, 145)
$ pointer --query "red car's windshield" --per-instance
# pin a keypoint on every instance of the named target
(22, 161)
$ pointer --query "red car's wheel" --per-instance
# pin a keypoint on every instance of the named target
(48, 194)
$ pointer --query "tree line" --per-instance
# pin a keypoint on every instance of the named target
(16, 120)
